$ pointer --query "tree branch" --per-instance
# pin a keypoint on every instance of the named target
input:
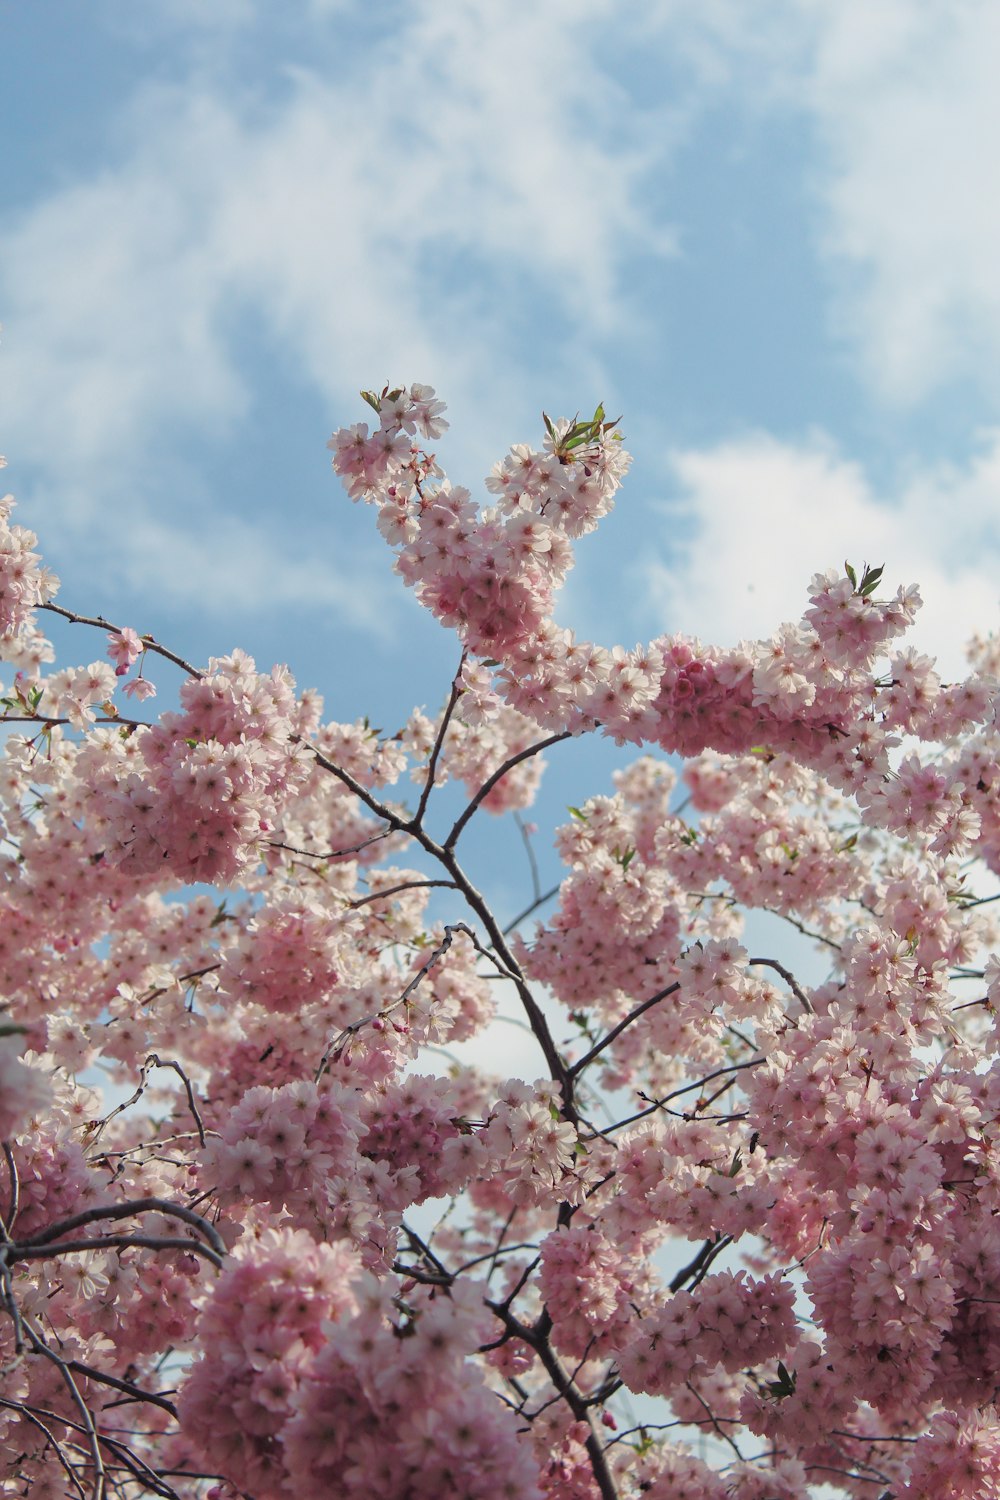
(498, 775)
(148, 642)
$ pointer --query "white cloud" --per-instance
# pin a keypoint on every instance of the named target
(397, 221)
(903, 99)
(899, 105)
(904, 93)
(226, 565)
(757, 518)
(385, 225)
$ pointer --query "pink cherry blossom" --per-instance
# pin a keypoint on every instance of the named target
(316, 1240)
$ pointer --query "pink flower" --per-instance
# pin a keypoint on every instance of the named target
(124, 648)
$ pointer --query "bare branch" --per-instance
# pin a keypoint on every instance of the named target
(135, 1391)
(536, 886)
(787, 976)
(498, 775)
(13, 1207)
(99, 1487)
(432, 763)
(149, 644)
(188, 1245)
(126, 1211)
(26, 1411)
(529, 910)
(616, 1031)
(393, 890)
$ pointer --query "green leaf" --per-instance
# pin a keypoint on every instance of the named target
(576, 813)
(851, 575)
(372, 399)
(785, 1383)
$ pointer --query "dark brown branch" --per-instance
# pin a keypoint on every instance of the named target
(13, 1207)
(327, 854)
(498, 775)
(189, 1246)
(445, 856)
(99, 1488)
(126, 1386)
(515, 922)
(787, 976)
(394, 890)
(393, 821)
(616, 1031)
(148, 642)
(753, 1062)
(36, 1421)
(432, 763)
(537, 1338)
(698, 1267)
(127, 1211)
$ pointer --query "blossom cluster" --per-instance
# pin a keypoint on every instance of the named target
(730, 1235)
(24, 583)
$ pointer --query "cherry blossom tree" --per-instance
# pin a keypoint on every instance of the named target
(732, 1235)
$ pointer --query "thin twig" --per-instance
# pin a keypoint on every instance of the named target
(13, 1206)
(394, 890)
(99, 1489)
(616, 1031)
(657, 1104)
(445, 856)
(26, 1411)
(148, 642)
(188, 1245)
(432, 763)
(126, 1211)
(528, 911)
(787, 976)
(498, 775)
(536, 887)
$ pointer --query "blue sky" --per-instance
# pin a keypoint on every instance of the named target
(767, 234)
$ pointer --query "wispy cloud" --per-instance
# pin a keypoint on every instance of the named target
(408, 213)
(905, 98)
(754, 519)
(899, 99)
(397, 222)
